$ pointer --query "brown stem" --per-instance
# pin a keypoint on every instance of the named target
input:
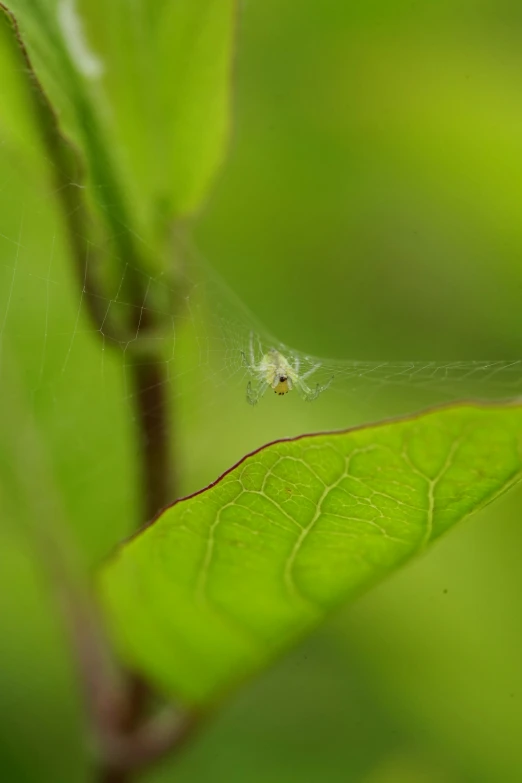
(114, 776)
(127, 755)
(150, 383)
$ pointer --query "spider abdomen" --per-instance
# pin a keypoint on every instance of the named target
(282, 386)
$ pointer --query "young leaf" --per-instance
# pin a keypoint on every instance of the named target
(226, 579)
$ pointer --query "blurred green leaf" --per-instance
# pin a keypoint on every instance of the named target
(227, 578)
(167, 77)
(145, 91)
(195, 51)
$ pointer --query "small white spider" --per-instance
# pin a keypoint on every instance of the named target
(276, 372)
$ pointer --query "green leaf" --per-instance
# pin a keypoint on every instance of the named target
(167, 76)
(226, 579)
(144, 90)
(196, 47)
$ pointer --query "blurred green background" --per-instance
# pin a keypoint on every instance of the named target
(370, 208)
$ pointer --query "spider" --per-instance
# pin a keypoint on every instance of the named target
(276, 371)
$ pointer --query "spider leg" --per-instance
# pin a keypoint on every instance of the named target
(254, 395)
(309, 395)
(310, 371)
(260, 345)
(252, 352)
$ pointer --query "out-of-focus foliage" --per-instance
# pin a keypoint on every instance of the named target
(145, 92)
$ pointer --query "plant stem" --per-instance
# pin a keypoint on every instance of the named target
(128, 756)
(114, 776)
(150, 383)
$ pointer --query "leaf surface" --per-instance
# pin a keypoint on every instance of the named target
(226, 579)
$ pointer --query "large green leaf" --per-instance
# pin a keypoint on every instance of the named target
(224, 580)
